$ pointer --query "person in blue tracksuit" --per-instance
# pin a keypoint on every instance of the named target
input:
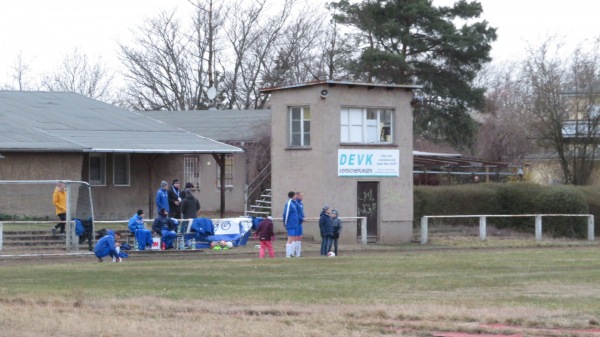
(108, 245)
(143, 236)
(291, 221)
(298, 239)
(162, 197)
(166, 227)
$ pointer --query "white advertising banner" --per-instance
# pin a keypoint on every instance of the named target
(368, 163)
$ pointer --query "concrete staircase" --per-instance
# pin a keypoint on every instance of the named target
(262, 206)
(32, 240)
(41, 240)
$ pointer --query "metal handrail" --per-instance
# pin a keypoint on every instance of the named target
(253, 190)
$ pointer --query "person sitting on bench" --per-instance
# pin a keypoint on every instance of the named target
(143, 236)
(166, 227)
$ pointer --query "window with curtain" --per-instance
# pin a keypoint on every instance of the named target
(366, 126)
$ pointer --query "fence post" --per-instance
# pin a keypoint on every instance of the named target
(424, 221)
(363, 230)
(538, 228)
(482, 228)
(1, 233)
(590, 228)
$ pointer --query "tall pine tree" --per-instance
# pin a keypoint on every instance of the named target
(413, 41)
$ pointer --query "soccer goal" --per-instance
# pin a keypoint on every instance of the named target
(28, 217)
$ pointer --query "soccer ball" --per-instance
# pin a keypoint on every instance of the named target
(229, 244)
(331, 254)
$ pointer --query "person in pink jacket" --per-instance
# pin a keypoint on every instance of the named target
(264, 232)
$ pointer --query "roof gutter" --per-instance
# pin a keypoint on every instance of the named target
(234, 150)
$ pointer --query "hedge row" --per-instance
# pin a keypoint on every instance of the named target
(512, 198)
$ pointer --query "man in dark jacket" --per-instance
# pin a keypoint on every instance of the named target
(190, 206)
(326, 227)
(166, 227)
(174, 195)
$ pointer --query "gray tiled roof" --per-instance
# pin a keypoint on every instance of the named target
(222, 125)
(64, 121)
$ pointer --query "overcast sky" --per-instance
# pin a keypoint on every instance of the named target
(44, 31)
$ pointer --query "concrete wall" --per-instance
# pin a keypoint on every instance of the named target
(110, 202)
(117, 202)
(36, 200)
(314, 170)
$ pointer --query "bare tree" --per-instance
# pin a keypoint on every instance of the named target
(20, 78)
(208, 22)
(78, 74)
(157, 69)
(310, 49)
(252, 35)
(563, 99)
(170, 67)
(236, 47)
(503, 134)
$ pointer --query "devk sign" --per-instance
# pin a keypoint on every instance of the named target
(368, 163)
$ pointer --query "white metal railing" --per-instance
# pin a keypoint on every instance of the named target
(483, 225)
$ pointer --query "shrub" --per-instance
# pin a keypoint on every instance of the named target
(563, 200)
(510, 198)
(516, 198)
(454, 200)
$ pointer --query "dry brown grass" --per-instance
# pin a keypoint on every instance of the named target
(161, 317)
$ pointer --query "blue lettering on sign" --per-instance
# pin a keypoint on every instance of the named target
(343, 159)
(360, 159)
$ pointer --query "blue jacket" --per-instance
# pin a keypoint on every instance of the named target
(204, 226)
(325, 224)
(337, 226)
(300, 207)
(162, 200)
(291, 220)
(135, 223)
(106, 245)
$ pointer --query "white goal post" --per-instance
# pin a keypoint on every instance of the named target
(483, 223)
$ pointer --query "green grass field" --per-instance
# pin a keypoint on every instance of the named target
(397, 291)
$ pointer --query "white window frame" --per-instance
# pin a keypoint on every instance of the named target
(229, 173)
(357, 126)
(191, 170)
(126, 169)
(304, 124)
(102, 167)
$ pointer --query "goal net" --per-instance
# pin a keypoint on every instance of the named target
(28, 217)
